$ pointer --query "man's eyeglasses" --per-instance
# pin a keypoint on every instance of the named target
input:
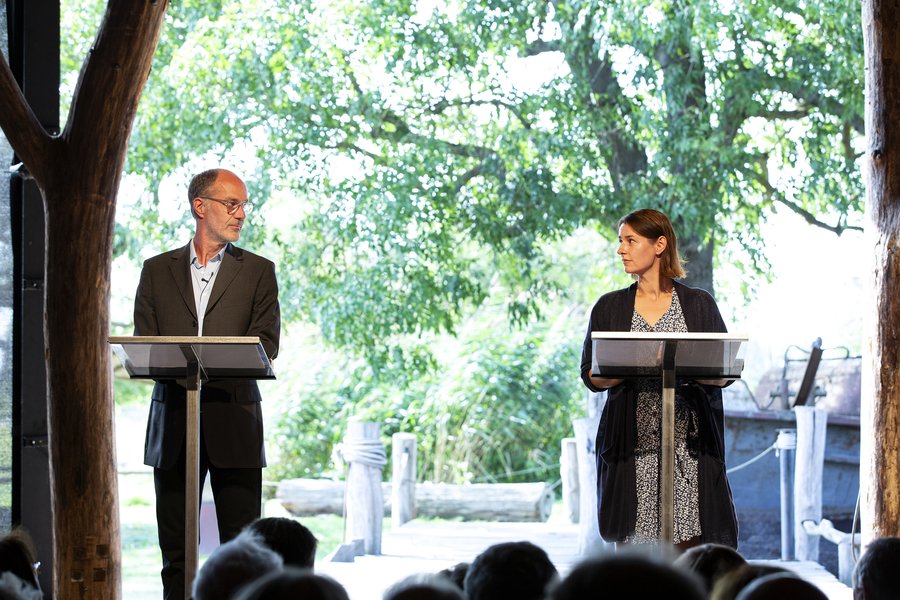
(231, 206)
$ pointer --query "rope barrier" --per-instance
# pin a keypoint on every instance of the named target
(370, 453)
(753, 460)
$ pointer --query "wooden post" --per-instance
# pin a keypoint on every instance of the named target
(365, 455)
(589, 540)
(568, 473)
(880, 405)
(810, 459)
(403, 478)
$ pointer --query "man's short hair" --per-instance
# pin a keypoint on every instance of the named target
(518, 570)
(293, 541)
(421, 586)
(199, 186)
(626, 575)
(293, 583)
(233, 565)
(876, 574)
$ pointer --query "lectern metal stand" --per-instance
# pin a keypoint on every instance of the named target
(192, 359)
(704, 356)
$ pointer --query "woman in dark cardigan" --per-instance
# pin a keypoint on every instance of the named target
(629, 439)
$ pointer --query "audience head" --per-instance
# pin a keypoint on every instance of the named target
(17, 556)
(779, 586)
(233, 565)
(877, 574)
(294, 542)
(628, 575)
(710, 562)
(13, 588)
(292, 583)
(731, 583)
(456, 574)
(424, 587)
(510, 570)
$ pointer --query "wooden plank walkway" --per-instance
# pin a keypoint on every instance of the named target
(428, 547)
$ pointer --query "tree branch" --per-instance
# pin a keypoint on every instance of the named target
(112, 80)
(444, 104)
(776, 196)
(401, 132)
(20, 125)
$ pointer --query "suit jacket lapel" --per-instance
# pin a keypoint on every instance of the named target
(232, 262)
(180, 273)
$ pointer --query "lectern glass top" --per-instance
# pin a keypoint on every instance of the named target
(618, 354)
(158, 357)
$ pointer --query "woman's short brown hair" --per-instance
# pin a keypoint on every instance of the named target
(653, 224)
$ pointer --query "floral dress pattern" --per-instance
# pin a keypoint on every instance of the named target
(649, 441)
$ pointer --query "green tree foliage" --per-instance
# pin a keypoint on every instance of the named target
(428, 149)
(414, 161)
(495, 411)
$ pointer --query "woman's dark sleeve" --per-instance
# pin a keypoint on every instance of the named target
(586, 356)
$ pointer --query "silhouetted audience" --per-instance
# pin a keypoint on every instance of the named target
(424, 587)
(13, 588)
(18, 563)
(710, 562)
(519, 570)
(456, 574)
(260, 564)
(730, 584)
(877, 574)
(293, 541)
(628, 575)
(233, 565)
(293, 583)
(780, 586)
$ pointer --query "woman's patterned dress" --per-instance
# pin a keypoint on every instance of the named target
(649, 441)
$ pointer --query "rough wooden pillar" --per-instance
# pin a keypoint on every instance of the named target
(880, 406)
(403, 478)
(364, 452)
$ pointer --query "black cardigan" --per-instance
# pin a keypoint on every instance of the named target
(617, 434)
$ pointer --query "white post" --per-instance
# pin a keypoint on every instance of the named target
(403, 478)
(810, 456)
(364, 453)
(589, 540)
(568, 473)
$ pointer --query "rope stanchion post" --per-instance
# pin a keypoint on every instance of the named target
(365, 456)
(785, 448)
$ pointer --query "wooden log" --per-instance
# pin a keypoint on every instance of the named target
(809, 462)
(364, 453)
(486, 501)
(568, 473)
(306, 497)
(523, 502)
(403, 480)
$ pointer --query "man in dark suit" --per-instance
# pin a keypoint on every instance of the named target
(209, 287)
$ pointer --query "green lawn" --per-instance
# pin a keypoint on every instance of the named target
(140, 554)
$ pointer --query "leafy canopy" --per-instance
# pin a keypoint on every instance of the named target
(412, 156)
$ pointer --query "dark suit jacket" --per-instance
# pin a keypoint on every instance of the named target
(243, 302)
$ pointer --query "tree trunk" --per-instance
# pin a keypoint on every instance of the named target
(698, 259)
(880, 409)
(78, 174)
